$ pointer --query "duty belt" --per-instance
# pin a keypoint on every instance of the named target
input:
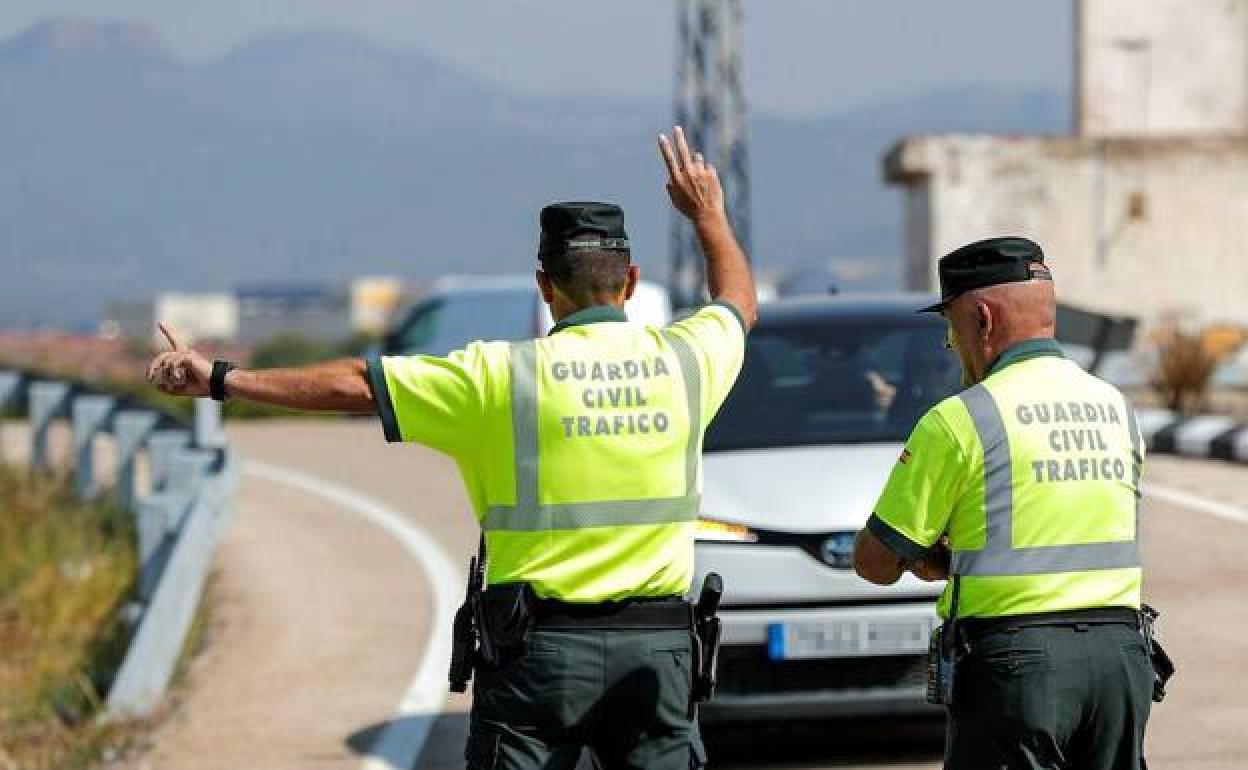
(1096, 616)
(640, 614)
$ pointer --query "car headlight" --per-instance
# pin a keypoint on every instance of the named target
(714, 530)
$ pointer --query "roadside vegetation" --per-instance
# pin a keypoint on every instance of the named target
(66, 570)
(1187, 360)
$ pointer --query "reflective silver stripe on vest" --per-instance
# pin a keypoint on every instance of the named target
(1137, 460)
(692, 376)
(998, 556)
(530, 515)
(524, 422)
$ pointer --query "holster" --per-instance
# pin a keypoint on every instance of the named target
(1163, 666)
(947, 648)
(944, 653)
(463, 648)
(707, 629)
(503, 615)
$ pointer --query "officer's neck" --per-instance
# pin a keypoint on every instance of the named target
(561, 307)
(1002, 351)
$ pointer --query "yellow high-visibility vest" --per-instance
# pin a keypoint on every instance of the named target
(1033, 474)
(580, 451)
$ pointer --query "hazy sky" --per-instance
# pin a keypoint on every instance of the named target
(803, 56)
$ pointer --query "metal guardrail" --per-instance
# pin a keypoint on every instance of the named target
(194, 476)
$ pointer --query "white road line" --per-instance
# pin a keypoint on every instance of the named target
(1195, 502)
(400, 743)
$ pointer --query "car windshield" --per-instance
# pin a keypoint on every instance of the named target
(450, 322)
(834, 382)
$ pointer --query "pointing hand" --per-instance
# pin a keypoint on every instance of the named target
(180, 371)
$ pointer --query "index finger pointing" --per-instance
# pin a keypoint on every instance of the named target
(173, 340)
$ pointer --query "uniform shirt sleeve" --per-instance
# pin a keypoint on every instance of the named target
(716, 336)
(438, 402)
(914, 508)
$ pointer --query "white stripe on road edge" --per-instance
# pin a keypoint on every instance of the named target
(401, 741)
(1195, 502)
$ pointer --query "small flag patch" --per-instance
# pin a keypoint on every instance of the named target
(905, 457)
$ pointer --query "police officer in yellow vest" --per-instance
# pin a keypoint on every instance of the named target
(581, 454)
(1023, 487)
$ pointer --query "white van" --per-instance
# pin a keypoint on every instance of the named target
(461, 309)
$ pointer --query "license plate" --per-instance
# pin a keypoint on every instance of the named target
(848, 638)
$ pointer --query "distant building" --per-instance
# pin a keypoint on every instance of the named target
(196, 317)
(1141, 211)
(312, 310)
(373, 301)
(257, 312)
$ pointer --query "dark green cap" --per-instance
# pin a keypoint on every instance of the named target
(581, 226)
(987, 263)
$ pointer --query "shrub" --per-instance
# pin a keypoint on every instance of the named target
(1186, 361)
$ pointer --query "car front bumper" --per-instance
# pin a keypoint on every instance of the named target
(863, 679)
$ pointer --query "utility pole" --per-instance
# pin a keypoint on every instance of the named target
(710, 104)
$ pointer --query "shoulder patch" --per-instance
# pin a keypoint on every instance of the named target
(905, 456)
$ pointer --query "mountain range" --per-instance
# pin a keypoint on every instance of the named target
(316, 156)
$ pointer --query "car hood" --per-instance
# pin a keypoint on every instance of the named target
(797, 489)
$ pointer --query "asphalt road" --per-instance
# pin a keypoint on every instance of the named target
(1196, 573)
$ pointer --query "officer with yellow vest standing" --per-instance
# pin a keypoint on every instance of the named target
(581, 454)
(1023, 488)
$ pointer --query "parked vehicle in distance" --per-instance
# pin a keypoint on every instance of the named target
(461, 309)
(794, 461)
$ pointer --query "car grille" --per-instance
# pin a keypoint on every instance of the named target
(747, 670)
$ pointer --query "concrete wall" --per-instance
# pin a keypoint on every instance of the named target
(1134, 227)
(1162, 67)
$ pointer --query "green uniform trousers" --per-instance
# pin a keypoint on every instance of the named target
(1055, 697)
(622, 693)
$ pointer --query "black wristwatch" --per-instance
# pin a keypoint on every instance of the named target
(216, 383)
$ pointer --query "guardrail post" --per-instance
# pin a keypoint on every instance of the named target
(189, 470)
(153, 517)
(208, 431)
(10, 388)
(161, 446)
(88, 415)
(130, 430)
(47, 401)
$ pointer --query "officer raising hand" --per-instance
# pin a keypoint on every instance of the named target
(581, 454)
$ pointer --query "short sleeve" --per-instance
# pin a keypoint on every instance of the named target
(716, 335)
(914, 508)
(438, 402)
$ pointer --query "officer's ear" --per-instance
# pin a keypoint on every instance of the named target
(545, 286)
(983, 317)
(634, 275)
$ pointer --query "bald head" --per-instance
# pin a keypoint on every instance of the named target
(1022, 311)
(986, 322)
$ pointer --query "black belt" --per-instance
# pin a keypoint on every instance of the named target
(638, 614)
(1095, 616)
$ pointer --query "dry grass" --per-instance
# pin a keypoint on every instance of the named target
(1186, 361)
(65, 571)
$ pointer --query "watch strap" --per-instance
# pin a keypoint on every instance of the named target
(216, 383)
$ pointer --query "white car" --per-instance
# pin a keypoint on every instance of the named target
(794, 462)
(461, 309)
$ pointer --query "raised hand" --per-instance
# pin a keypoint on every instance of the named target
(693, 184)
(180, 371)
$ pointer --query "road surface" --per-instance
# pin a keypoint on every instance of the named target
(322, 621)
